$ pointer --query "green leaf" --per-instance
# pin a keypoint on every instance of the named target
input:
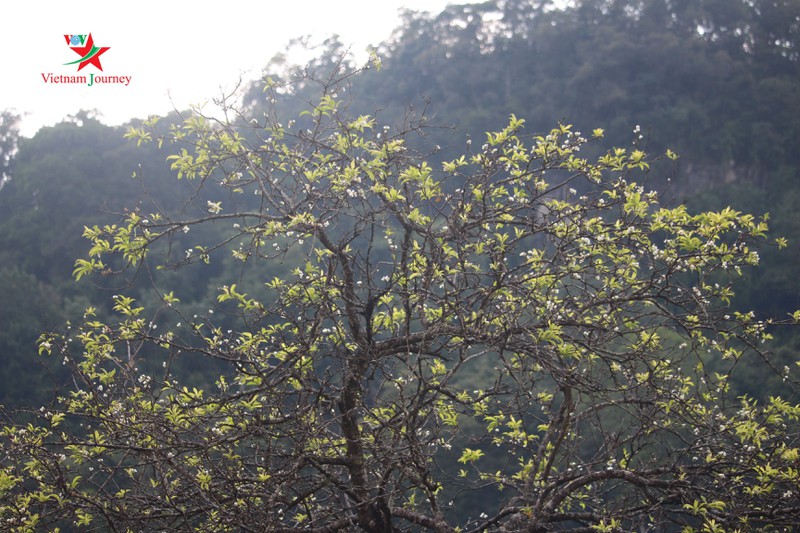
(470, 456)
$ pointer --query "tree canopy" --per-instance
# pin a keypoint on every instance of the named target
(513, 338)
(331, 313)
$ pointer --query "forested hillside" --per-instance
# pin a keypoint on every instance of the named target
(718, 82)
(353, 285)
(716, 77)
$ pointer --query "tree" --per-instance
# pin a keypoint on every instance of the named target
(518, 340)
(27, 307)
(9, 137)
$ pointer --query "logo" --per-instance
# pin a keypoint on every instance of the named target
(88, 54)
(84, 47)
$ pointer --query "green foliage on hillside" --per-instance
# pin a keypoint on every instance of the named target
(714, 81)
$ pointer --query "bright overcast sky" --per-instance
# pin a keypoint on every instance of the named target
(177, 52)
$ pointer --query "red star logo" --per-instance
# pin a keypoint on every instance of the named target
(90, 54)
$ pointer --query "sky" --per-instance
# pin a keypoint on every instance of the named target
(176, 53)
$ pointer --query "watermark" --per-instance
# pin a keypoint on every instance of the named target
(90, 80)
(89, 55)
(84, 47)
